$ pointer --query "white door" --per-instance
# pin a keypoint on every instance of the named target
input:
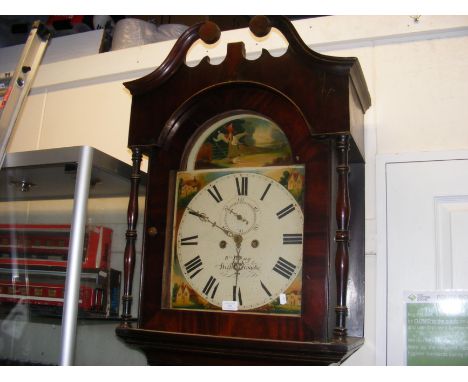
(426, 239)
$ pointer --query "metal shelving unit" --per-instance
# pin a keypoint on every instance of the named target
(76, 173)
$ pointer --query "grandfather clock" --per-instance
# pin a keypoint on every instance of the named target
(253, 247)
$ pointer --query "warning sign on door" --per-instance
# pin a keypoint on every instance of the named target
(437, 328)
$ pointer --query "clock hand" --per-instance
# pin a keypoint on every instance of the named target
(238, 216)
(237, 265)
(202, 216)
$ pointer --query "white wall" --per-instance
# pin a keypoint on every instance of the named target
(417, 74)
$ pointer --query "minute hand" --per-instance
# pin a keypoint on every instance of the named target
(202, 216)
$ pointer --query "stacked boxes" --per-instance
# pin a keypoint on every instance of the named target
(33, 263)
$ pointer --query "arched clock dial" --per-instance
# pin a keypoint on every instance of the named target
(240, 239)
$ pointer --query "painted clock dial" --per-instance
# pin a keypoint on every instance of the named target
(238, 243)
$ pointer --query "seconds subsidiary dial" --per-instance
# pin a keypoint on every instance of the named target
(239, 241)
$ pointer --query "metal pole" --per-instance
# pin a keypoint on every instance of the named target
(75, 256)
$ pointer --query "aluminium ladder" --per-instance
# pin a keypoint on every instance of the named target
(20, 83)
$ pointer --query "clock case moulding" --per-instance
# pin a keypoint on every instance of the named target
(319, 102)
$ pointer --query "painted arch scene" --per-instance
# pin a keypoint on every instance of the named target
(241, 140)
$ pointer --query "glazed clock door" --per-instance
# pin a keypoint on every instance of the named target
(237, 230)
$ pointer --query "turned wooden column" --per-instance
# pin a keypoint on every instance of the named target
(131, 236)
(343, 212)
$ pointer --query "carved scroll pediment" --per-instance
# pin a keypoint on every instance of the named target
(312, 82)
(260, 26)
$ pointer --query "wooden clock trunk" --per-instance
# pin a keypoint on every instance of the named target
(319, 103)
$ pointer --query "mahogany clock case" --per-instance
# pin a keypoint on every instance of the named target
(318, 157)
(318, 102)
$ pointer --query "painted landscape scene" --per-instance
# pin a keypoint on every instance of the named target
(243, 141)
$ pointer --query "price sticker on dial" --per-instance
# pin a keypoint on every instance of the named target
(282, 299)
(230, 305)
